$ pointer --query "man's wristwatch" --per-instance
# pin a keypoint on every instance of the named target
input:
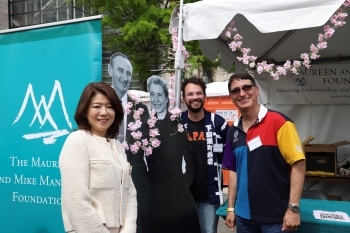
(294, 208)
(230, 209)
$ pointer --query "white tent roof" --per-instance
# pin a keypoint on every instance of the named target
(277, 30)
(274, 30)
(217, 89)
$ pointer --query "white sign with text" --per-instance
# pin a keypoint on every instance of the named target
(321, 84)
(331, 216)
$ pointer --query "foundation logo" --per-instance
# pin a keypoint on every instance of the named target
(48, 137)
(300, 81)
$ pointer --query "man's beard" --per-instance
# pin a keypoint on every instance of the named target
(195, 110)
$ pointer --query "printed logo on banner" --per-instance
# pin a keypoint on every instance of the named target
(300, 81)
(50, 136)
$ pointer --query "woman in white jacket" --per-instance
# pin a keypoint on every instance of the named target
(98, 195)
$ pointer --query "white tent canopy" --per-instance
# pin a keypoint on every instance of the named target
(284, 34)
(277, 31)
(274, 30)
(217, 89)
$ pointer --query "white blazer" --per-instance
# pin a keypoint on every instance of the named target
(97, 189)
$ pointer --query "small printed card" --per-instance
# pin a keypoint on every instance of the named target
(331, 216)
(218, 148)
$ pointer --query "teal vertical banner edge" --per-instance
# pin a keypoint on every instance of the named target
(42, 74)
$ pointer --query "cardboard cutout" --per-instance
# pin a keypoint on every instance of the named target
(171, 169)
(120, 69)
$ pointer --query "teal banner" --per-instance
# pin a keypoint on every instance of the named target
(42, 74)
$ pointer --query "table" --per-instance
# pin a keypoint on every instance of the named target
(311, 225)
(308, 222)
(318, 178)
(324, 177)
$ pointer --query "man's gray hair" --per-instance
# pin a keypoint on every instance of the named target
(117, 54)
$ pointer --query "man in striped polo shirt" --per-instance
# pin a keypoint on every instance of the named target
(266, 162)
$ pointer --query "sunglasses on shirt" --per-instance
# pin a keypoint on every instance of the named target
(245, 88)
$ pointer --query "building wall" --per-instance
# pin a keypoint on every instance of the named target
(3, 14)
(221, 75)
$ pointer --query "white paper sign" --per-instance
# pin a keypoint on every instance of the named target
(331, 216)
(254, 143)
(321, 84)
(218, 148)
(228, 115)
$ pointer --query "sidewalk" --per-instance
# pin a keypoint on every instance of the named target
(222, 228)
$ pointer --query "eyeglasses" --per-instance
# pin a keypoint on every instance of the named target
(245, 88)
(191, 94)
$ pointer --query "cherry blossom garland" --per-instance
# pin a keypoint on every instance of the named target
(337, 20)
(174, 38)
(175, 112)
(146, 145)
(153, 142)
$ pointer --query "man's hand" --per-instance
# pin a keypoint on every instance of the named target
(230, 220)
(291, 221)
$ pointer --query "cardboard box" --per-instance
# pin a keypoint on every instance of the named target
(321, 159)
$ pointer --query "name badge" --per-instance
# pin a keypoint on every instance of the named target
(254, 143)
(218, 148)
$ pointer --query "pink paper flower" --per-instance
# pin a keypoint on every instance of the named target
(328, 34)
(180, 128)
(306, 63)
(313, 48)
(135, 97)
(134, 126)
(237, 37)
(296, 64)
(153, 132)
(144, 142)
(260, 69)
(151, 123)
(137, 135)
(281, 71)
(138, 143)
(294, 70)
(134, 148)
(148, 151)
(128, 107)
(155, 143)
(304, 56)
(233, 46)
(175, 111)
(322, 45)
(320, 37)
(314, 56)
(274, 75)
(287, 65)
(125, 145)
(236, 43)
(245, 50)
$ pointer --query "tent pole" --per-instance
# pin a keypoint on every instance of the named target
(179, 61)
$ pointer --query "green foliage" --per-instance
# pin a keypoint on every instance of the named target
(139, 28)
(197, 60)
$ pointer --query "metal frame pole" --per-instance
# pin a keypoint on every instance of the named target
(179, 61)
